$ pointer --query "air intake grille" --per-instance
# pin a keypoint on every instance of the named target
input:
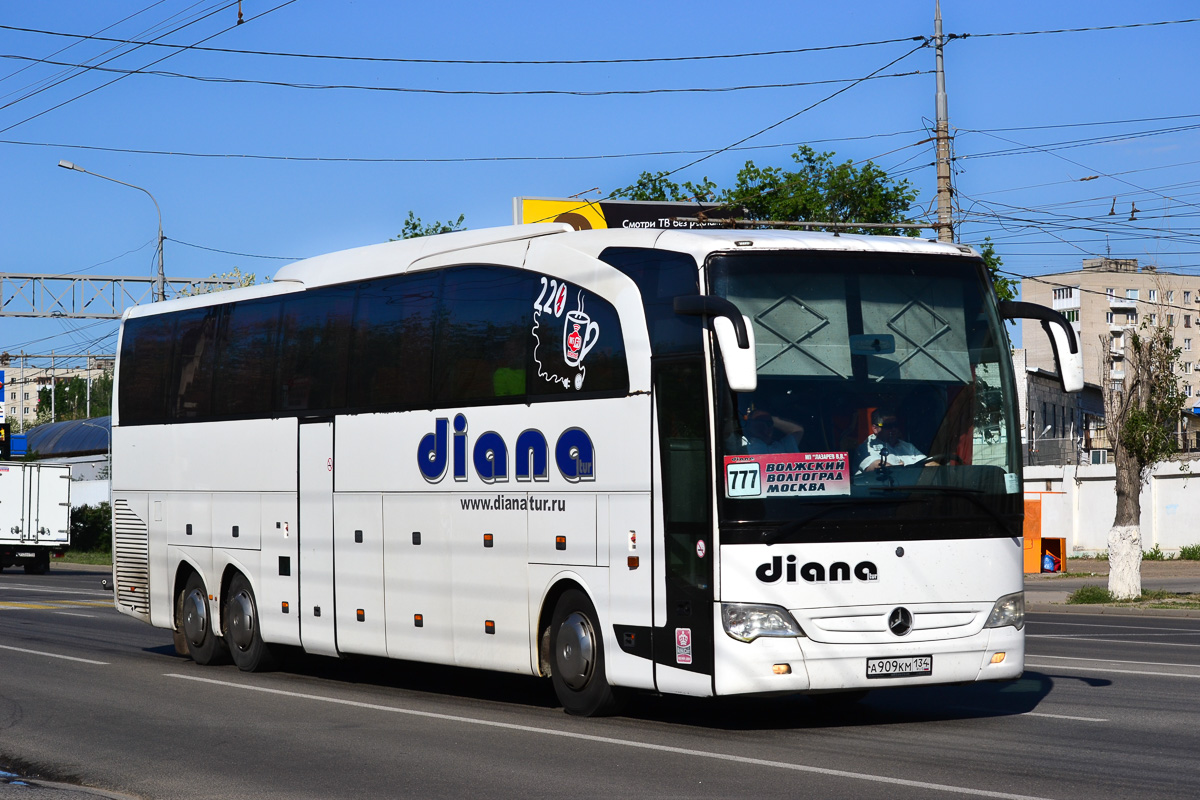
(132, 556)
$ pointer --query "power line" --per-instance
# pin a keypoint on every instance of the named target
(232, 253)
(1075, 30)
(122, 77)
(434, 160)
(452, 92)
(469, 62)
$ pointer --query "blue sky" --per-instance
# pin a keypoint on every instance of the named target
(384, 153)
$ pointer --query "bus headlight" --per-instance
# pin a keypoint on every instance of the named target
(747, 621)
(1009, 610)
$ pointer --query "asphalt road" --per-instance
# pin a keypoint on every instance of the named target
(1107, 708)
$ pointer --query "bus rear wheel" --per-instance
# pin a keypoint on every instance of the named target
(246, 646)
(577, 658)
(193, 620)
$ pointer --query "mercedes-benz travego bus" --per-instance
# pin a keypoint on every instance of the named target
(689, 462)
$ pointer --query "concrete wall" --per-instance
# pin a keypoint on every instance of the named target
(1078, 504)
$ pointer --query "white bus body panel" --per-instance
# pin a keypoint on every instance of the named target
(950, 591)
(318, 618)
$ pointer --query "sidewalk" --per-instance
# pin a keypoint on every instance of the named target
(1049, 591)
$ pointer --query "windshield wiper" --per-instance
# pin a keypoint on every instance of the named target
(956, 491)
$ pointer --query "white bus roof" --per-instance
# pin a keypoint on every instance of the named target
(392, 258)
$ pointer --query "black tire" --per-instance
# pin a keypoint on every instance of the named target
(240, 611)
(577, 658)
(193, 619)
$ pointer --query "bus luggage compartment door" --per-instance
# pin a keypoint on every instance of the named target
(318, 629)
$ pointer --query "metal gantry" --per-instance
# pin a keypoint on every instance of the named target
(89, 296)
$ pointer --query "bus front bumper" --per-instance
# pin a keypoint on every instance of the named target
(789, 665)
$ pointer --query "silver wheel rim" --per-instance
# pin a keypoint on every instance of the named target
(575, 654)
(241, 620)
(195, 617)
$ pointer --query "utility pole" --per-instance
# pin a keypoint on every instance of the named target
(942, 132)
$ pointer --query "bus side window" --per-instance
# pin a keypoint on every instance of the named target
(315, 350)
(145, 368)
(246, 352)
(483, 326)
(392, 346)
(190, 387)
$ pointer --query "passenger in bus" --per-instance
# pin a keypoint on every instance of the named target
(764, 433)
(884, 445)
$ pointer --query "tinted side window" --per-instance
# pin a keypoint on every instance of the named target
(189, 391)
(392, 348)
(246, 352)
(482, 335)
(145, 367)
(661, 276)
(577, 342)
(315, 350)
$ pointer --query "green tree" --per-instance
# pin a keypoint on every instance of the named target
(91, 529)
(1006, 288)
(1142, 411)
(414, 227)
(240, 279)
(71, 399)
(816, 190)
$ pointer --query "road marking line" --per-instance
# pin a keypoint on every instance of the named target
(1090, 635)
(741, 760)
(30, 588)
(1120, 671)
(1120, 641)
(54, 655)
(1118, 661)
(999, 712)
(69, 614)
(1098, 625)
(36, 606)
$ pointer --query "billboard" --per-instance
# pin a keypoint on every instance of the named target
(598, 214)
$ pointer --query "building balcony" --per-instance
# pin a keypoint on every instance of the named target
(1126, 303)
(1117, 374)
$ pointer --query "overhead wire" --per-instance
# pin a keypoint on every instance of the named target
(453, 92)
(470, 62)
(159, 61)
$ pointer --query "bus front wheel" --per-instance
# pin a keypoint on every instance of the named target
(246, 646)
(577, 658)
(194, 620)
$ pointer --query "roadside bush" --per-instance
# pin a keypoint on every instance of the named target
(91, 529)
(1190, 552)
(1091, 594)
(1156, 554)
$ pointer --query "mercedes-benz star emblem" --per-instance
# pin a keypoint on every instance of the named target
(900, 621)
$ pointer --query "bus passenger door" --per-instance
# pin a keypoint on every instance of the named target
(318, 630)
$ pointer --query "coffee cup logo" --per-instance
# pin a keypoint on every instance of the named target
(579, 336)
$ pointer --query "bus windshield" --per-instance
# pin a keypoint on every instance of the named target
(885, 393)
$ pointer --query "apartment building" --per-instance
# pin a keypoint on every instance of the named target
(1106, 299)
(25, 376)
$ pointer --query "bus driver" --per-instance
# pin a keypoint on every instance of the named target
(884, 445)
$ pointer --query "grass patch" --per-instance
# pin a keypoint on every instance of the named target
(1090, 594)
(1190, 552)
(1155, 598)
(102, 557)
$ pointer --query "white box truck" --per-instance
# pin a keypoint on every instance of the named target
(35, 514)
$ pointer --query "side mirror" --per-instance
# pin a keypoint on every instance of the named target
(1067, 353)
(735, 337)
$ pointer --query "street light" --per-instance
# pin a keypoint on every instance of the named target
(160, 285)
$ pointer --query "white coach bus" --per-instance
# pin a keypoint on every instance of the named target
(691, 462)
